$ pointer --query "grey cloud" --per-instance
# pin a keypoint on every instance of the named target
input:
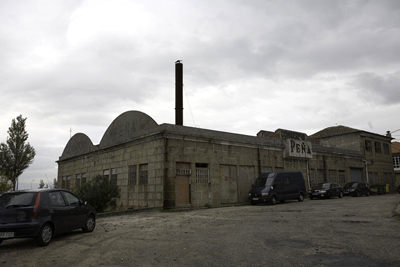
(382, 88)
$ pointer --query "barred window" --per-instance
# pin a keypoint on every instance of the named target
(143, 174)
(132, 175)
(202, 173)
(114, 175)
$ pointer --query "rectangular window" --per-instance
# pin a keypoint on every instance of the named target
(132, 175)
(114, 175)
(368, 145)
(386, 149)
(143, 174)
(202, 173)
(333, 176)
(378, 147)
(106, 174)
(78, 180)
(396, 162)
(321, 176)
(83, 178)
(64, 182)
(68, 182)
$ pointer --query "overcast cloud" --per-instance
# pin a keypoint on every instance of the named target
(74, 66)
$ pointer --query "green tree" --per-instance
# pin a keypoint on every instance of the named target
(16, 154)
(41, 184)
(5, 184)
(100, 192)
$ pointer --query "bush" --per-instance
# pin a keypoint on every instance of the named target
(100, 193)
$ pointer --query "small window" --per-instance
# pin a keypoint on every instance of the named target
(78, 180)
(132, 175)
(378, 147)
(143, 174)
(368, 145)
(83, 178)
(114, 175)
(106, 174)
(202, 174)
(386, 150)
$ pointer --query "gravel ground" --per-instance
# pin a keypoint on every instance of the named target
(336, 232)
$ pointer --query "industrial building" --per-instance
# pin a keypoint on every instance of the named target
(171, 165)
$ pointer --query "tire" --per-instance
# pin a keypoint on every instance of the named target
(357, 193)
(311, 197)
(367, 194)
(45, 235)
(274, 200)
(282, 201)
(253, 203)
(90, 224)
(340, 194)
(301, 197)
(328, 195)
(1, 240)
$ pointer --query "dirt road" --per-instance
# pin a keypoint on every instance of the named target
(336, 232)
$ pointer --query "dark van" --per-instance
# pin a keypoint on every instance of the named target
(272, 187)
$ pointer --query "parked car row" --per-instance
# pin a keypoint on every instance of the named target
(280, 186)
(43, 213)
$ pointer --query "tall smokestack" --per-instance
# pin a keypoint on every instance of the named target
(178, 93)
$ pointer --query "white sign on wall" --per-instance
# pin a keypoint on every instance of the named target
(298, 149)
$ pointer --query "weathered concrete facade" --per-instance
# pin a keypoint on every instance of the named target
(176, 166)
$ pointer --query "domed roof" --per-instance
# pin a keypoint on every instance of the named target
(127, 126)
(78, 144)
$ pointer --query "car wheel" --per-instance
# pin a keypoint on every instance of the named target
(300, 198)
(328, 195)
(311, 197)
(340, 194)
(45, 235)
(1, 240)
(274, 200)
(357, 193)
(367, 194)
(90, 224)
(253, 203)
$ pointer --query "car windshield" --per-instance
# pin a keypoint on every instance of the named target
(17, 199)
(260, 182)
(350, 185)
(323, 186)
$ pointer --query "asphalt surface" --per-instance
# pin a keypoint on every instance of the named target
(352, 231)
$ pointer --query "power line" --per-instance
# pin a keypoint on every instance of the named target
(187, 99)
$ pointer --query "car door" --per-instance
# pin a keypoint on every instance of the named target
(60, 212)
(78, 212)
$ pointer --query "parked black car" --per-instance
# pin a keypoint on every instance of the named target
(356, 189)
(43, 213)
(326, 190)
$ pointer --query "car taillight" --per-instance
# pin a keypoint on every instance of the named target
(36, 206)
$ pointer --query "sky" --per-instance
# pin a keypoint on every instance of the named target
(249, 65)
